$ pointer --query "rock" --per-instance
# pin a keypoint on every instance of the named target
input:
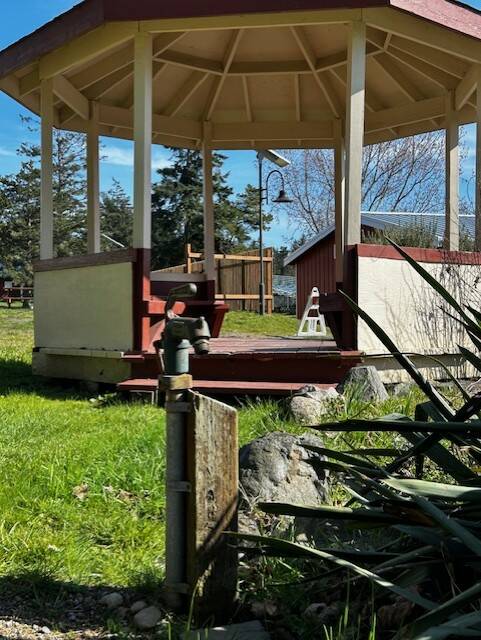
(147, 618)
(365, 384)
(46, 631)
(310, 403)
(474, 387)
(245, 631)
(112, 600)
(275, 468)
(138, 606)
(403, 389)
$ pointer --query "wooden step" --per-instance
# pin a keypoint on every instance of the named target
(225, 387)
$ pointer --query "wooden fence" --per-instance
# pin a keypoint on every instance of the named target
(237, 277)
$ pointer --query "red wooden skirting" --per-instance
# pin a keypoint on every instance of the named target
(256, 365)
(227, 387)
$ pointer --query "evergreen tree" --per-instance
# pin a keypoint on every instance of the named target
(116, 220)
(20, 205)
(20, 222)
(177, 210)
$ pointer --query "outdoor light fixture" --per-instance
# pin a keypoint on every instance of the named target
(274, 157)
(282, 198)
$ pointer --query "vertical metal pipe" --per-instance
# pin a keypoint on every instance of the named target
(176, 512)
(262, 300)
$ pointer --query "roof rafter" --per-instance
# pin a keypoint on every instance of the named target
(372, 101)
(191, 62)
(247, 98)
(322, 79)
(467, 86)
(441, 78)
(427, 34)
(444, 61)
(397, 75)
(219, 82)
(70, 96)
(195, 80)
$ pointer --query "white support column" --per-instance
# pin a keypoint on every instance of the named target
(209, 223)
(46, 188)
(339, 191)
(143, 141)
(93, 181)
(451, 238)
(478, 165)
(355, 99)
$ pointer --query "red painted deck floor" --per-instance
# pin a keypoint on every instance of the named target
(254, 366)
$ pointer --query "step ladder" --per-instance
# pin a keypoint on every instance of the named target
(312, 324)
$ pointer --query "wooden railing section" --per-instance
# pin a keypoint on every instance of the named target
(237, 277)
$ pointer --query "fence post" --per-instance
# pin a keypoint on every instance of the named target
(188, 258)
(202, 478)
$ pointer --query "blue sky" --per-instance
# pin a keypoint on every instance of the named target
(118, 153)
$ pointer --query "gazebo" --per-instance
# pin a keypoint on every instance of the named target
(243, 74)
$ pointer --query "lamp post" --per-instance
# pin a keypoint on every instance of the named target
(282, 198)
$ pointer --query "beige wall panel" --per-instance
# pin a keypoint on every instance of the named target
(85, 308)
(105, 370)
(408, 309)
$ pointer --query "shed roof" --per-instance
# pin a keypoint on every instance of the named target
(382, 220)
(245, 63)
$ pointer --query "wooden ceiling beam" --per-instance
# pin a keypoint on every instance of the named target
(247, 98)
(406, 114)
(426, 34)
(439, 59)
(107, 84)
(70, 96)
(195, 80)
(220, 81)
(392, 68)
(165, 41)
(195, 63)
(467, 86)
(441, 78)
(103, 68)
(322, 79)
(274, 67)
(377, 38)
(372, 100)
(86, 48)
(394, 71)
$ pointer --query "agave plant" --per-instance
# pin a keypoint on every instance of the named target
(434, 563)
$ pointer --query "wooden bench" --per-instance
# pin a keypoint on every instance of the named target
(17, 294)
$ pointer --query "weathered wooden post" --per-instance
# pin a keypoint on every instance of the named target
(201, 480)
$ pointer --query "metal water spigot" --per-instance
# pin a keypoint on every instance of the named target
(181, 333)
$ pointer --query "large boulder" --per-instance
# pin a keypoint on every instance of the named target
(309, 404)
(276, 468)
(365, 382)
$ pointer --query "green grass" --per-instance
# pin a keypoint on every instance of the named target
(248, 323)
(53, 440)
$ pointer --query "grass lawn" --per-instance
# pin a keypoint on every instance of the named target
(54, 444)
(82, 486)
(248, 323)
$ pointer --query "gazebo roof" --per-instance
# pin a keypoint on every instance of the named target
(263, 72)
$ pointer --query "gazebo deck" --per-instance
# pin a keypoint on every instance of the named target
(254, 366)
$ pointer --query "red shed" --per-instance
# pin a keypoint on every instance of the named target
(315, 261)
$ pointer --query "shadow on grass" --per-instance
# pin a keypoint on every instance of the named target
(36, 599)
(17, 377)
